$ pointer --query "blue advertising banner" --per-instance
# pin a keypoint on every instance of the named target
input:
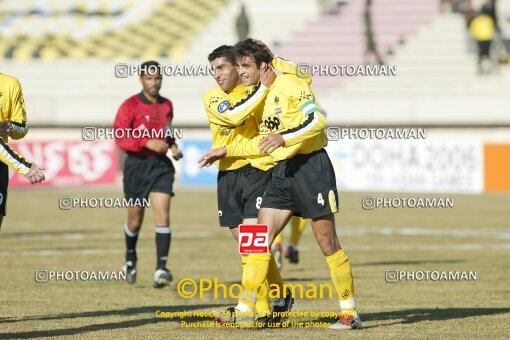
(191, 174)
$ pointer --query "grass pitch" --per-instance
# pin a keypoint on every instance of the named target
(36, 235)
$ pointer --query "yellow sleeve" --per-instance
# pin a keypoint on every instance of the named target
(302, 97)
(13, 159)
(311, 127)
(18, 116)
(249, 148)
(222, 112)
(314, 124)
(287, 66)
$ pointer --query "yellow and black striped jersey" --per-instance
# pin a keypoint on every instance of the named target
(229, 120)
(290, 110)
(13, 159)
(234, 117)
(12, 108)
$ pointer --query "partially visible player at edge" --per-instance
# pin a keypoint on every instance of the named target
(302, 183)
(148, 172)
(13, 124)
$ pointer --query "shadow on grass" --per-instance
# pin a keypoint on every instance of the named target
(134, 311)
(410, 316)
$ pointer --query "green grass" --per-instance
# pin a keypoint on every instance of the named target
(473, 236)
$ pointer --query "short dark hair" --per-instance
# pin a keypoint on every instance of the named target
(249, 47)
(148, 67)
(224, 51)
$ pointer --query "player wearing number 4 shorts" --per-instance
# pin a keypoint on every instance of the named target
(303, 182)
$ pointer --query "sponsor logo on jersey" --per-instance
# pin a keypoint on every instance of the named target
(223, 106)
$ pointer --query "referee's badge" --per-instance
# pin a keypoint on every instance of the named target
(223, 106)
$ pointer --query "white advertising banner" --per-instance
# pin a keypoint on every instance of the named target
(419, 165)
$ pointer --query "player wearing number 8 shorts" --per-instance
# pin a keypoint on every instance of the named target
(240, 194)
(292, 130)
(232, 118)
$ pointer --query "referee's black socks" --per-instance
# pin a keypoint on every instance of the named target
(163, 238)
(131, 239)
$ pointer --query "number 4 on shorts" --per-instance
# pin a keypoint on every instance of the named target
(320, 200)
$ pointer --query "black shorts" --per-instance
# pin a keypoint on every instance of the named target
(304, 184)
(4, 182)
(145, 175)
(240, 194)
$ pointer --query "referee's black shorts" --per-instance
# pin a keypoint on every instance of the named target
(145, 175)
(240, 194)
(304, 184)
(4, 182)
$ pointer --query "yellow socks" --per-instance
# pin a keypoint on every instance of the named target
(297, 225)
(262, 305)
(273, 275)
(254, 275)
(277, 240)
(341, 275)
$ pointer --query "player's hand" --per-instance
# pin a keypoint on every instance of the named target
(270, 143)
(259, 42)
(5, 128)
(35, 174)
(267, 75)
(176, 153)
(157, 145)
(212, 156)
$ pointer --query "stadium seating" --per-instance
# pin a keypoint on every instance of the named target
(54, 29)
(437, 84)
(436, 80)
(53, 87)
(340, 39)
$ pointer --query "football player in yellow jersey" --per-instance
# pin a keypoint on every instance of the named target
(13, 124)
(229, 111)
(232, 118)
(303, 182)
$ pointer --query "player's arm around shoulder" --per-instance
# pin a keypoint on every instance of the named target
(216, 102)
(226, 110)
(288, 67)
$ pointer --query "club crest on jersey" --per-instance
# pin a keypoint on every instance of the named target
(223, 106)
